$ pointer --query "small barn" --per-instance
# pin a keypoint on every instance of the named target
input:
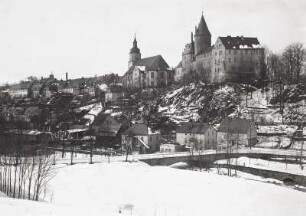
(142, 138)
(234, 132)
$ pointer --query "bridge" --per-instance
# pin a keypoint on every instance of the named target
(209, 156)
(206, 159)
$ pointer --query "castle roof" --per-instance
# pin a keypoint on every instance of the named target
(202, 28)
(240, 42)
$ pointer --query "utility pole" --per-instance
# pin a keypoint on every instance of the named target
(246, 95)
(281, 103)
(91, 150)
(303, 141)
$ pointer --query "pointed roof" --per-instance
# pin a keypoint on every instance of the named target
(180, 64)
(202, 28)
(135, 49)
(153, 63)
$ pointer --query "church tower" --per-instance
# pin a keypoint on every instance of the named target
(135, 54)
(202, 37)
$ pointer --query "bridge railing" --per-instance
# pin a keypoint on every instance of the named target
(276, 152)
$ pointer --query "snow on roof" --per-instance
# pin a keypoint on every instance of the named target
(151, 132)
(94, 110)
(103, 87)
(28, 132)
(77, 130)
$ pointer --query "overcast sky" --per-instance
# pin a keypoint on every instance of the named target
(88, 37)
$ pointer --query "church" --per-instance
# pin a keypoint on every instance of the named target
(150, 72)
(235, 59)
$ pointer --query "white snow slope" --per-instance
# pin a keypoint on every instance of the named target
(137, 189)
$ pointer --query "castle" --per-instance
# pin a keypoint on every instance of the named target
(236, 59)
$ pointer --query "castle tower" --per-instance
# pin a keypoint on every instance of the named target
(135, 54)
(202, 37)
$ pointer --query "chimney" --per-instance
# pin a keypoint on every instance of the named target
(66, 76)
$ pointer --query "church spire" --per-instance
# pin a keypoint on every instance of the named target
(135, 41)
(135, 49)
(135, 54)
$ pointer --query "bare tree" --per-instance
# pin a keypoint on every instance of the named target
(293, 57)
(44, 174)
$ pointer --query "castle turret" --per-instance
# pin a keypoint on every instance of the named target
(202, 37)
(135, 54)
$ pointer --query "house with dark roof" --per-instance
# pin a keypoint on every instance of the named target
(234, 132)
(147, 72)
(106, 130)
(197, 135)
(142, 138)
(114, 93)
(71, 87)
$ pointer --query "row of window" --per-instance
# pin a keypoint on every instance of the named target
(242, 51)
(217, 70)
(217, 61)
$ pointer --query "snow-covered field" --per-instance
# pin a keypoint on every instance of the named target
(137, 189)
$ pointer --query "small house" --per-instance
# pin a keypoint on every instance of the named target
(197, 135)
(106, 130)
(236, 132)
(142, 138)
(114, 93)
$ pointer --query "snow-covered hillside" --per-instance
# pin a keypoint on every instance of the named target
(192, 101)
(137, 189)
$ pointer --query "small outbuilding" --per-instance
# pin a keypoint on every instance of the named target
(236, 132)
(142, 138)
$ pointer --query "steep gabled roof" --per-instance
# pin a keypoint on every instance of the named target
(106, 127)
(180, 64)
(100, 118)
(153, 63)
(193, 127)
(137, 129)
(115, 89)
(240, 42)
(235, 125)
